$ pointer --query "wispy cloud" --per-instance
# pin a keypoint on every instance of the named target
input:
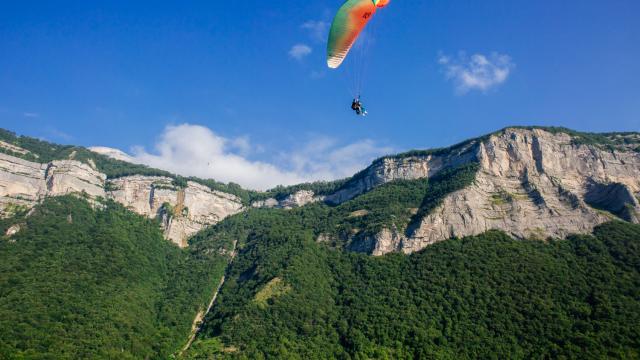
(300, 51)
(193, 150)
(322, 158)
(318, 29)
(57, 134)
(31, 115)
(476, 72)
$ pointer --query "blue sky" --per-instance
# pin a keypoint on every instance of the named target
(138, 75)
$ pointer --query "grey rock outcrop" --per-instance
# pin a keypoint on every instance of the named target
(69, 176)
(24, 183)
(295, 200)
(193, 207)
(21, 182)
(113, 153)
(269, 203)
(384, 242)
(401, 168)
(300, 198)
(531, 184)
(13, 229)
(616, 198)
(15, 149)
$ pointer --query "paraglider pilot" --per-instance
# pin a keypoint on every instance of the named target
(356, 106)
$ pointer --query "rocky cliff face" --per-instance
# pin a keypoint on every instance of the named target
(531, 183)
(24, 182)
(297, 199)
(381, 172)
(401, 168)
(183, 211)
(67, 176)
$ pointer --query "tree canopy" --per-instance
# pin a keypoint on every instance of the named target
(82, 283)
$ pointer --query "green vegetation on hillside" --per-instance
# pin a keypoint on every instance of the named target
(395, 204)
(43, 152)
(82, 283)
(318, 188)
(398, 203)
(486, 296)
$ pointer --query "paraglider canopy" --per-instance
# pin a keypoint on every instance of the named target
(347, 25)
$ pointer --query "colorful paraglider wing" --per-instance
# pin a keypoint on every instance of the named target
(351, 19)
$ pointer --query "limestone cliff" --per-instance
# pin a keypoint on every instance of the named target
(24, 183)
(297, 199)
(408, 167)
(184, 211)
(531, 183)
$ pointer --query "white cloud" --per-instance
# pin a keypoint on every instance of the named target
(31, 115)
(57, 134)
(242, 145)
(300, 51)
(322, 158)
(478, 72)
(319, 30)
(192, 150)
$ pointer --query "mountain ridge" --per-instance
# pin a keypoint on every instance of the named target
(509, 179)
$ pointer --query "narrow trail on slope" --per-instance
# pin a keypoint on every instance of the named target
(198, 321)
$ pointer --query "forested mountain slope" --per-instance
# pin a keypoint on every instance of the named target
(78, 282)
(487, 296)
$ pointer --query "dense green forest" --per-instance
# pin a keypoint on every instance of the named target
(489, 296)
(77, 282)
(486, 296)
(82, 283)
